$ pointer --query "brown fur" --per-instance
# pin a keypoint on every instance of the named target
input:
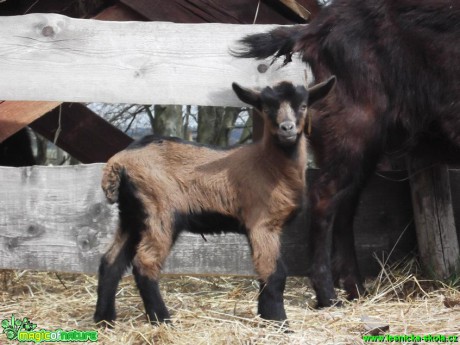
(116, 246)
(257, 184)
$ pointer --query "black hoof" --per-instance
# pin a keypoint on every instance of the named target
(354, 291)
(160, 322)
(330, 303)
(104, 323)
(282, 325)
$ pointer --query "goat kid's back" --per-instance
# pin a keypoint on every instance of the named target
(192, 179)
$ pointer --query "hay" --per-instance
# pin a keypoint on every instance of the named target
(221, 310)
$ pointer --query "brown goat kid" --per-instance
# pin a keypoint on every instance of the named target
(164, 186)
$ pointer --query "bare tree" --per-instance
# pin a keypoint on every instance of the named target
(122, 116)
(215, 124)
(168, 120)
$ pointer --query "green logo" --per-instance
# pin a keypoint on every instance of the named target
(13, 326)
(25, 331)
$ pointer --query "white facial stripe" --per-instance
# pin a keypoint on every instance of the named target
(286, 113)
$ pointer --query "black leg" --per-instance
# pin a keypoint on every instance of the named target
(344, 262)
(322, 216)
(346, 156)
(109, 277)
(271, 301)
(154, 305)
(132, 224)
(334, 199)
(320, 275)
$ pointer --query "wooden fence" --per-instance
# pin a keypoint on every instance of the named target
(55, 218)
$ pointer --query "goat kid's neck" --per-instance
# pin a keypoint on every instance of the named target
(275, 153)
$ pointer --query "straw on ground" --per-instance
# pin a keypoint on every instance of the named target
(221, 310)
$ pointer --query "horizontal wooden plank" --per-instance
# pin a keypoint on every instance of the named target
(16, 115)
(50, 57)
(56, 219)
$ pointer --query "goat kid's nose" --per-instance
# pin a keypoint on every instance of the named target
(287, 126)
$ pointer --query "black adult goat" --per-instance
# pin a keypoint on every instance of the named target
(397, 64)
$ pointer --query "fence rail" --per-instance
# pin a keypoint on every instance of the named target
(57, 219)
(50, 57)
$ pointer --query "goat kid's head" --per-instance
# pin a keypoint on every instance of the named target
(284, 106)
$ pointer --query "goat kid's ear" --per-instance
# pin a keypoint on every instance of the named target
(321, 90)
(248, 96)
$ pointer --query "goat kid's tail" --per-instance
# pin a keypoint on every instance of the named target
(278, 42)
(111, 178)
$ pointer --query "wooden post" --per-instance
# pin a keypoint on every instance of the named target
(434, 219)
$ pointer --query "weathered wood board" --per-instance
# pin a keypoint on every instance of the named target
(56, 219)
(16, 115)
(49, 57)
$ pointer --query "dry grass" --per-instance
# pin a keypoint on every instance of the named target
(221, 310)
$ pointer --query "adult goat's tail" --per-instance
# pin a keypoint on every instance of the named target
(278, 42)
(111, 178)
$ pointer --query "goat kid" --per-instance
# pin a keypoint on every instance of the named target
(164, 186)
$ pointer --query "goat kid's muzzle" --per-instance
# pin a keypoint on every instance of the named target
(287, 132)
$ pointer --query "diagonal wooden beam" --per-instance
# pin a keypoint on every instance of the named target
(297, 8)
(16, 115)
(81, 133)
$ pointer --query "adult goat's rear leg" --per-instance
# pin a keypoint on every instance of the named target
(322, 217)
(344, 263)
(334, 198)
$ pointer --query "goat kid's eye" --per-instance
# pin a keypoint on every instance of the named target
(265, 110)
(303, 107)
